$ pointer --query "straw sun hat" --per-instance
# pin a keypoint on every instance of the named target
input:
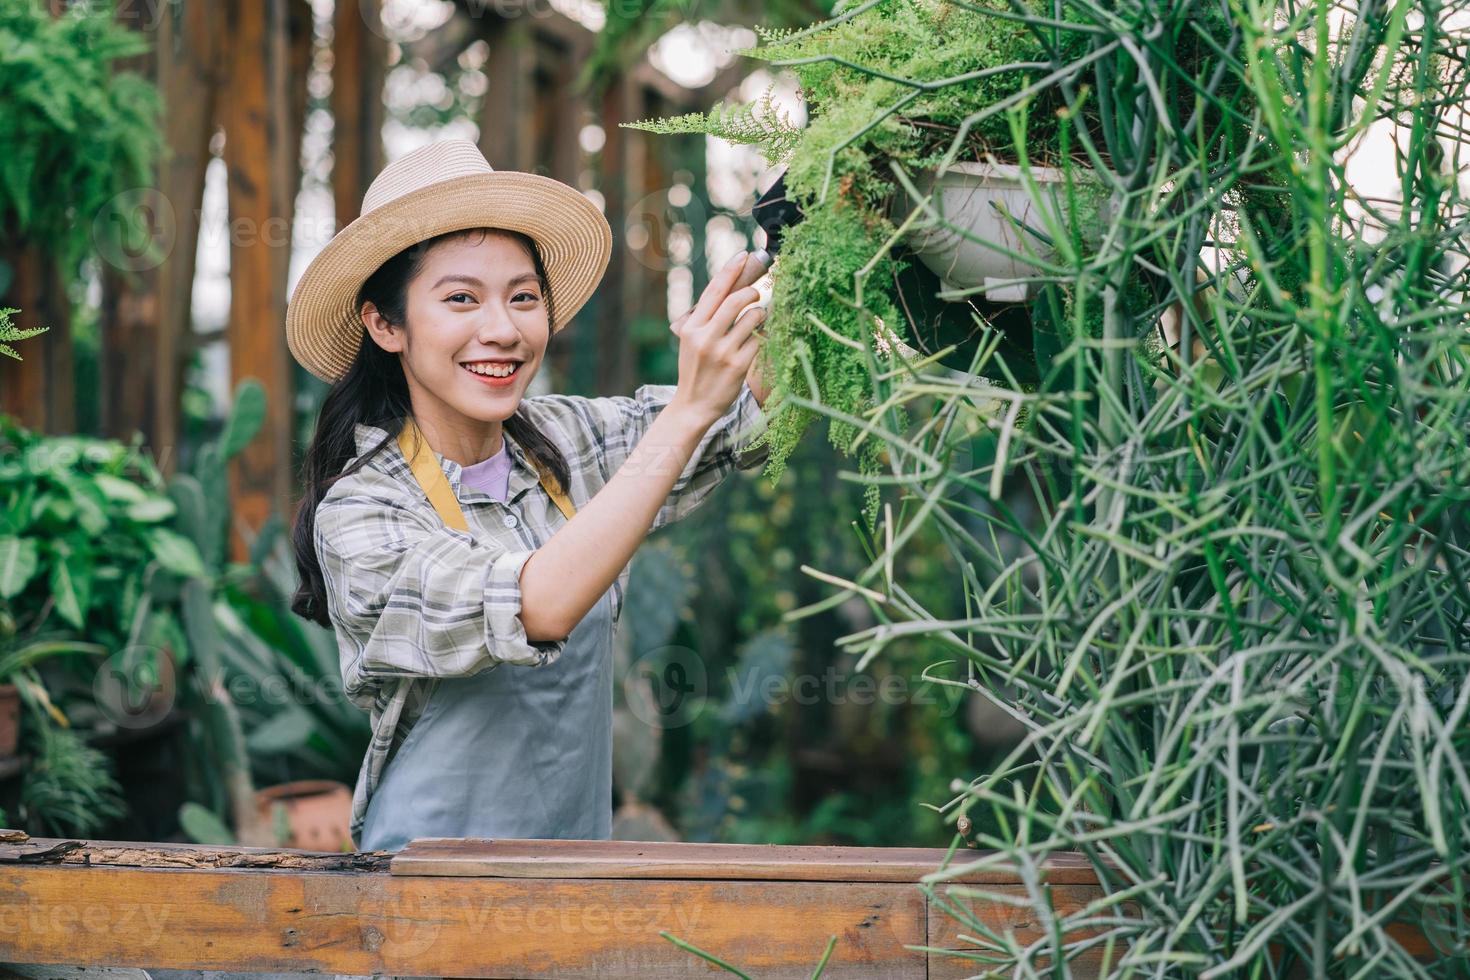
(442, 187)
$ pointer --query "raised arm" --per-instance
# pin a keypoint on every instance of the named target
(611, 426)
(566, 575)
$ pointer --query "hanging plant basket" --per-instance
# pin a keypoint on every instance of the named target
(989, 226)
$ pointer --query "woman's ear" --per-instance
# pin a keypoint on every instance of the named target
(383, 333)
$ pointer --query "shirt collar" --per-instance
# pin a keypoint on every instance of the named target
(523, 476)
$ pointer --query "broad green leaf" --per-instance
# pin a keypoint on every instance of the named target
(70, 586)
(18, 563)
(176, 552)
(246, 417)
(53, 508)
(188, 497)
(117, 489)
(152, 510)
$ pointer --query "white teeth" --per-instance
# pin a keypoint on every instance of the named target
(494, 370)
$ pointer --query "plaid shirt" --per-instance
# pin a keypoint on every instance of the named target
(412, 600)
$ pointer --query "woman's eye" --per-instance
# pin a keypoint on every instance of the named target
(530, 296)
(467, 296)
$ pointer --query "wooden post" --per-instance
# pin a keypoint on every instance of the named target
(359, 61)
(507, 119)
(261, 149)
(146, 316)
(619, 289)
(39, 390)
(560, 115)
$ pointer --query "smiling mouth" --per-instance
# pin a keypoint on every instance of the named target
(493, 369)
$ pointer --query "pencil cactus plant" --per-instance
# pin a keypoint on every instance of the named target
(1217, 545)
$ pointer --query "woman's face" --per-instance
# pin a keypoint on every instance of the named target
(477, 329)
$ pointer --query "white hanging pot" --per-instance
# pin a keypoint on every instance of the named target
(977, 197)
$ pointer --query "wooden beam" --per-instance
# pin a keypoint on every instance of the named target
(40, 389)
(146, 318)
(507, 116)
(535, 908)
(100, 906)
(618, 294)
(359, 62)
(129, 315)
(685, 860)
(259, 118)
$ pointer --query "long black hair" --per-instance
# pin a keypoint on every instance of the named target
(374, 392)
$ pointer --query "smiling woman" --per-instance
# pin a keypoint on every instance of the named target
(431, 314)
(480, 308)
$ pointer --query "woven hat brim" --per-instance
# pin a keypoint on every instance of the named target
(323, 328)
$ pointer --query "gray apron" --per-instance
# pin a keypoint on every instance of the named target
(512, 751)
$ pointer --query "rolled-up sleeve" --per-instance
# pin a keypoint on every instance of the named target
(613, 425)
(419, 600)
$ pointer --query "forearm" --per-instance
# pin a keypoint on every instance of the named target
(567, 575)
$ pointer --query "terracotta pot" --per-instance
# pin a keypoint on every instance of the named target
(318, 812)
(9, 720)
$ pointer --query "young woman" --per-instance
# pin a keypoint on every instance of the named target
(469, 544)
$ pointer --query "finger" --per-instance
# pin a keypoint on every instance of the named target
(765, 287)
(757, 264)
(745, 326)
(719, 287)
(679, 322)
(731, 307)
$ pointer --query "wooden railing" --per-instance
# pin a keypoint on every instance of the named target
(520, 909)
(510, 908)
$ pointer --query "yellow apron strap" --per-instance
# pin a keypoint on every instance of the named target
(431, 478)
(430, 474)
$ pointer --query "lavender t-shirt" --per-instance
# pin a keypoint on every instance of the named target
(489, 475)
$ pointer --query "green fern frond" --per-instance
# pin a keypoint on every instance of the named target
(8, 331)
(760, 124)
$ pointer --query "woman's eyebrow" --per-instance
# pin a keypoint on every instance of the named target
(472, 281)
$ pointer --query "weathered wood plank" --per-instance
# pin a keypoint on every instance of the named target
(366, 923)
(129, 854)
(660, 859)
(507, 909)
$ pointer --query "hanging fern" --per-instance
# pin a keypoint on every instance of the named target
(760, 124)
(78, 133)
(10, 332)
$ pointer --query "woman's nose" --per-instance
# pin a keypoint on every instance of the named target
(496, 325)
